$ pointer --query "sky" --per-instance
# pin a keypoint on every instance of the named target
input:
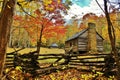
(81, 3)
(81, 7)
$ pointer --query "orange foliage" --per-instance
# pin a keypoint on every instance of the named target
(82, 26)
(90, 17)
(34, 25)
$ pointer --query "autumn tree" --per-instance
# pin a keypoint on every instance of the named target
(32, 26)
(72, 28)
(6, 19)
(49, 15)
(90, 17)
(52, 11)
(100, 23)
(112, 38)
(114, 16)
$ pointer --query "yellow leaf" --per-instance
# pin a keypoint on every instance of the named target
(43, 40)
(47, 2)
(18, 68)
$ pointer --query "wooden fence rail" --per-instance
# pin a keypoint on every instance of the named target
(78, 61)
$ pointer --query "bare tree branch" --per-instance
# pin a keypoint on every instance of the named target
(100, 6)
(104, 12)
(24, 10)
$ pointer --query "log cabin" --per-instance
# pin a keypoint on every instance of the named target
(87, 40)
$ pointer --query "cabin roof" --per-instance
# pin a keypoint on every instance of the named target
(80, 33)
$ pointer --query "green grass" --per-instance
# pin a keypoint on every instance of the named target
(42, 51)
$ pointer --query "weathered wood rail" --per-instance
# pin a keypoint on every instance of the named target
(58, 62)
(88, 61)
(10, 58)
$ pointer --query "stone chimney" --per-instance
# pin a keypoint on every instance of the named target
(92, 41)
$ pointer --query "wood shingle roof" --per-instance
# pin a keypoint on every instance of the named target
(80, 33)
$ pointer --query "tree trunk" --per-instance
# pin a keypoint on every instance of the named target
(10, 44)
(6, 19)
(40, 39)
(112, 39)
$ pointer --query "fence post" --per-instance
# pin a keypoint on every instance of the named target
(15, 60)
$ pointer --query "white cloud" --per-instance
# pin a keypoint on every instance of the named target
(80, 11)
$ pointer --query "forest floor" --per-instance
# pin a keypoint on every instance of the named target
(73, 74)
(68, 74)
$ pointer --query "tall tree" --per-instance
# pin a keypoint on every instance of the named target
(112, 39)
(51, 11)
(6, 18)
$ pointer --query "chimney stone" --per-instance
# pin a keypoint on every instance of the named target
(92, 41)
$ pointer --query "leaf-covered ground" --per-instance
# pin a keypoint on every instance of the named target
(68, 74)
(73, 74)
